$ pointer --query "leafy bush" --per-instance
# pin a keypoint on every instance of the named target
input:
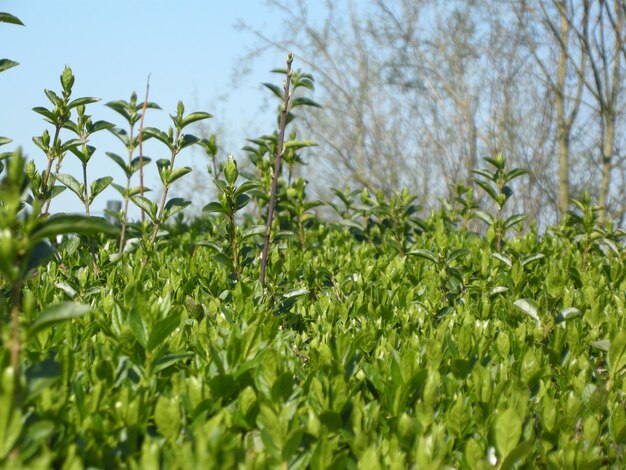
(384, 339)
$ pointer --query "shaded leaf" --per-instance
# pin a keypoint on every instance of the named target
(57, 313)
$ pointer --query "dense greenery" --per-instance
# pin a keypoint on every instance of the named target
(380, 338)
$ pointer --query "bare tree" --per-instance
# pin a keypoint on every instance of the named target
(362, 128)
(549, 38)
(416, 91)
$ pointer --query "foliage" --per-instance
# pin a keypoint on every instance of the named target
(381, 340)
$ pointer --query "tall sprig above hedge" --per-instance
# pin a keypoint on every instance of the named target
(293, 81)
(55, 150)
(130, 111)
(175, 141)
(496, 184)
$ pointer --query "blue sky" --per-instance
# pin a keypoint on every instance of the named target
(191, 48)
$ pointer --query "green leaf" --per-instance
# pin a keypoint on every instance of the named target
(529, 259)
(136, 162)
(567, 314)
(274, 89)
(195, 117)
(488, 189)
(60, 224)
(504, 259)
(514, 220)
(253, 230)
(457, 254)
(148, 206)
(5, 140)
(426, 254)
(72, 183)
(487, 218)
(529, 307)
(169, 360)
(517, 456)
(617, 354)
(167, 417)
(67, 79)
(82, 102)
(9, 18)
(507, 432)
(157, 134)
(241, 201)
(175, 205)
(162, 329)
(11, 422)
(601, 344)
(214, 207)
(137, 327)
(498, 161)
(98, 186)
(298, 144)
(41, 252)
(295, 293)
(186, 140)
(302, 101)
(6, 64)
(57, 313)
(45, 113)
(101, 125)
(178, 173)
(121, 107)
(515, 173)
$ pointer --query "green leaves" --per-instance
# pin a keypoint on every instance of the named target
(194, 117)
(8, 18)
(529, 307)
(11, 421)
(60, 224)
(381, 340)
(6, 64)
(161, 330)
(495, 184)
(167, 417)
(507, 432)
(617, 354)
(58, 313)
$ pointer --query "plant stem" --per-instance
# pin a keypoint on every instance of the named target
(131, 149)
(92, 246)
(46, 175)
(166, 188)
(15, 336)
(233, 243)
(143, 115)
(279, 153)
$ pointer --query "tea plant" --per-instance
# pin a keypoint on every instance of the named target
(384, 340)
(24, 246)
(496, 185)
(232, 199)
(293, 81)
(175, 141)
(55, 149)
(129, 110)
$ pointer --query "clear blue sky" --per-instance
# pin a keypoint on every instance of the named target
(190, 48)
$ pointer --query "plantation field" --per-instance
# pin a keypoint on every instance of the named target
(263, 334)
(367, 350)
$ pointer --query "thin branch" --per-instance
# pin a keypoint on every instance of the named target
(143, 115)
(279, 153)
